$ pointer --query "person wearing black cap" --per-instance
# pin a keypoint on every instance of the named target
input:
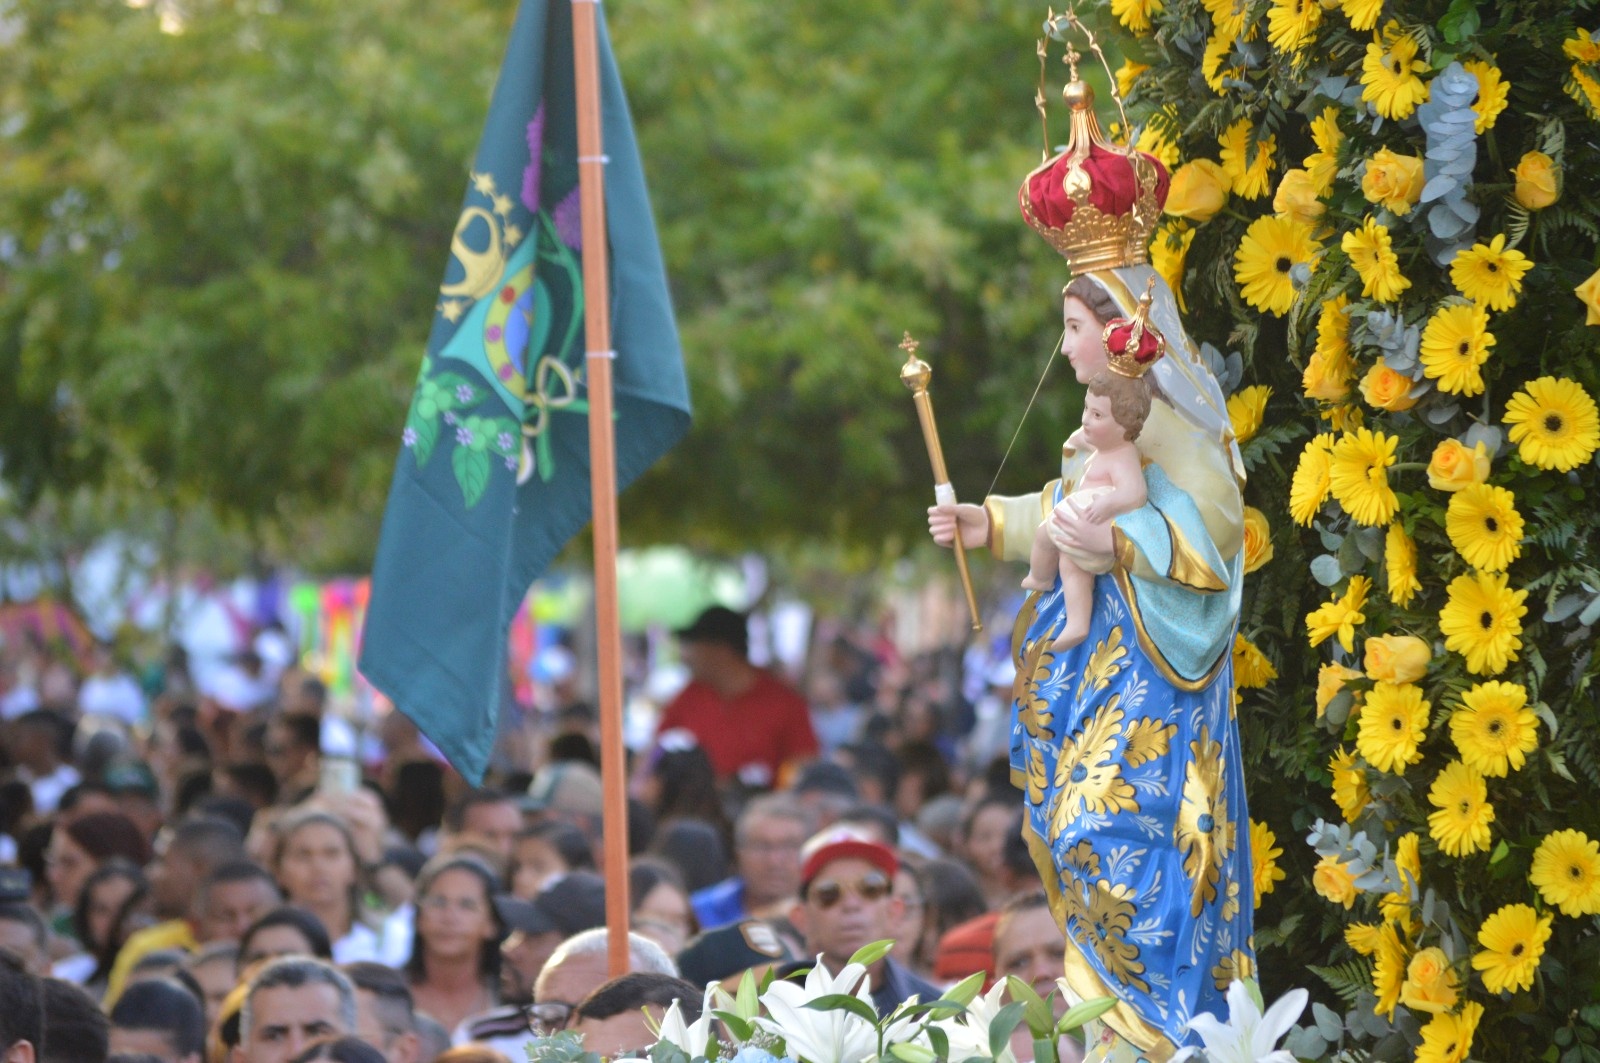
(750, 723)
(568, 906)
(846, 901)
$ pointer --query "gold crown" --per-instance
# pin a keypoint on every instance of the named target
(1133, 346)
(1058, 197)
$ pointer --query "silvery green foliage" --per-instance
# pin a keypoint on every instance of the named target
(1399, 342)
(1354, 850)
(1452, 151)
(1228, 369)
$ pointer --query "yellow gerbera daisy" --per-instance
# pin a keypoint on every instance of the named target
(1169, 252)
(1271, 247)
(1492, 90)
(1400, 564)
(1455, 343)
(1482, 621)
(1494, 729)
(1264, 870)
(1461, 824)
(1372, 254)
(1363, 14)
(1136, 14)
(1394, 720)
(1330, 369)
(1554, 423)
(1251, 669)
(1292, 23)
(1218, 47)
(1448, 1038)
(1153, 140)
(1251, 174)
(1363, 937)
(1389, 72)
(1246, 408)
(1357, 476)
(1308, 489)
(1566, 869)
(1584, 89)
(1388, 970)
(1350, 791)
(1340, 616)
(1513, 941)
(1323, 164)
(1485, 527)
(1127, 74)
(1582, 47)
(1490, 274)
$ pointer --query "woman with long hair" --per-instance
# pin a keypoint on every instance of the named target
(676, 780)
(454, 968)
(80, 846)
(661, 909)
(99, 922)
(315, 863)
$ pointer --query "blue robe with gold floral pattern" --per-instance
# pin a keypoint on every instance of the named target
(1128, 751)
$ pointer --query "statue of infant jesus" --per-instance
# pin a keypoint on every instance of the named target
(1114, 412)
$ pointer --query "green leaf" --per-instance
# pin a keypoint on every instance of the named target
(1008, 1019)
(966, 991)
(747, 1003)
(940, 1042)
(911, 1052)
(1038, 1014)
(1083, 1012)
(867, 955)
(1460, 23)
(844, 1002)
(1501, 851)
(472, 473)
(741, 1029)
(427, 435)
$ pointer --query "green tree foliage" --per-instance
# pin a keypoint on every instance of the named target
(221, 248)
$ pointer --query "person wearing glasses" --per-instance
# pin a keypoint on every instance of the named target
(455, 955)
(846, 901)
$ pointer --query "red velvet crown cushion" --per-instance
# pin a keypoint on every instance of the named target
(1112, 187)
(1121, 330)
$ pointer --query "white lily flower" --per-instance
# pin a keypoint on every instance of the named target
(969, 1031)
(1248, 1036)
(821, 1036)
(692, 1037)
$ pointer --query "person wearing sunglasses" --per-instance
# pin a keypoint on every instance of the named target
(846, 901)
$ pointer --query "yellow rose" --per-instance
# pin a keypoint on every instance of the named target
(1431, 984)
(1257, 539)
(1334, 881)
(1296, 198)
(1397, 658)
(1538, 180)
(1331, 679)
(1453, 466)
(1246, 408)
(1199, 189)
(1385, 389)
(1589, 293)
(1319, 383)
(1393, 180)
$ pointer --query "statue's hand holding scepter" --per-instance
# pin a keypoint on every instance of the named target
(915, 375)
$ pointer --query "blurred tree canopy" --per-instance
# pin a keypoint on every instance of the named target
(220, 246)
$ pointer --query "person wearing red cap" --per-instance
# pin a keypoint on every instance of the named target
(847, 901)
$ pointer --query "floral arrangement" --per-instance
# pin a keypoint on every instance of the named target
(830, 1019)
(1387, 214)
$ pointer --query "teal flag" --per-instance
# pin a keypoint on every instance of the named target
(493, 474)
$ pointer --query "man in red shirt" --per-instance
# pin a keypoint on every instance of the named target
(751, 724)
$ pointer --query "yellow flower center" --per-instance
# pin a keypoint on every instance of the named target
(1552, 423)
(1464, 806)
(1494, 727)
(1283, 264)
(1575, 871)
(1486, 620)
(1493, 267)
(1491, 524)
(1516, 950)
(1464, 348)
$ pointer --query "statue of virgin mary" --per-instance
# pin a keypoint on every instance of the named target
(1126, 746)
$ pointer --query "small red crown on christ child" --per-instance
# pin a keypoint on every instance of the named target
(1134, 345)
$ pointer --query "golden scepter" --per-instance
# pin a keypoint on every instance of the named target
(916, 375)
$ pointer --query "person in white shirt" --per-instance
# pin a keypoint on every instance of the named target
(109, 691)
(36, 740)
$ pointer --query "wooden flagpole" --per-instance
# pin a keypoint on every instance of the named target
(602, 477)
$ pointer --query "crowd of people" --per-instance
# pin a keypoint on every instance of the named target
(186, 881)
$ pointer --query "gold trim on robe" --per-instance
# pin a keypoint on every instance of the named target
(1153, 651)
(1188, 567)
